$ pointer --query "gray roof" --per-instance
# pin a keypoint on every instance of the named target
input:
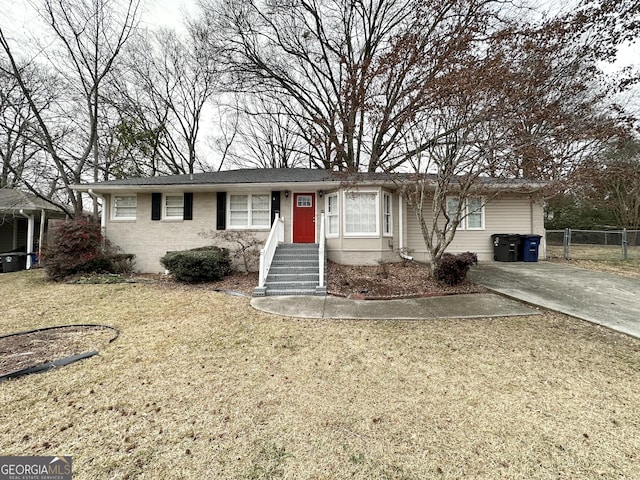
(15, 200)
(270, 176)
(243, 176)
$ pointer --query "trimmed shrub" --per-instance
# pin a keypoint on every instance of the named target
(204, 264)
(77, 246)
(452, 269)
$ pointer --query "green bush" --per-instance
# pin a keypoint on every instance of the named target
(77, 246)
(204, 264)
(452, 269)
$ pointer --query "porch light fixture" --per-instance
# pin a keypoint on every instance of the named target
(320, 193)
(286, 193)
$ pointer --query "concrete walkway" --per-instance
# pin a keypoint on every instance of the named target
(454, 306)
(605, 299)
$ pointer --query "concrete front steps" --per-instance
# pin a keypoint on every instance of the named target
(294, 271)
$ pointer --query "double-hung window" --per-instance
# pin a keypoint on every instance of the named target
(173, 207)
(361, 214)
(387, 219)
(475, 214)
(333, 215)
(124, 207)
(471, 212)
(249, 211)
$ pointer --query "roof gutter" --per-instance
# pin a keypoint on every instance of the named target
(203, 187)
(401, 248)
(211, 187)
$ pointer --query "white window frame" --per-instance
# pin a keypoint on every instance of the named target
(465, 212)
(330, 214)
(387, 215)
(468, 213)
(114, 207)
(165, 215)
(249, 225)
(304, 196)
(345, 203)
(451, 212)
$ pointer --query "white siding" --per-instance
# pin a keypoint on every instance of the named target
(513, 213)
(366, 250)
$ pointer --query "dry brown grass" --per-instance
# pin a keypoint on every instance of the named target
(600, 258)
(199, 385)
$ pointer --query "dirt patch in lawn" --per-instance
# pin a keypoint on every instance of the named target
(26, 350)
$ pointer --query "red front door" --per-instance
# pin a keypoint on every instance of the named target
(304, 214)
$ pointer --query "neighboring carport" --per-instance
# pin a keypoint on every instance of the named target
(24, 219)
(602, 298)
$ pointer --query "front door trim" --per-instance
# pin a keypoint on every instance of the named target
(299, 214)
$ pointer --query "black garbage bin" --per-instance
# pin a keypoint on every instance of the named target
(506, 247)
(530, 245)
(13, 261)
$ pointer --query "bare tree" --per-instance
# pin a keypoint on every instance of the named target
(85, 38)
(612, 182)
(454, 91)
(15, 120)
(268, 135)
(515, 106)
(23, 156)
(170, 82)
(324, 56)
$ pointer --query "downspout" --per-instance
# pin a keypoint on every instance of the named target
(401, 229)
(543, 241)
(531, 226)
(103, 213)
(30, 231)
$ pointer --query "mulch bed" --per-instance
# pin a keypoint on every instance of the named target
(385, 281)
(390, 280)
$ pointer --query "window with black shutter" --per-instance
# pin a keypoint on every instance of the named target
(221, 211)
(156, 205)
(188, 206)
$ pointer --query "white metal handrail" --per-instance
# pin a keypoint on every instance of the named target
(276, 237)
(321, 252)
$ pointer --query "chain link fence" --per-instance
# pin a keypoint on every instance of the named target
(593, 244)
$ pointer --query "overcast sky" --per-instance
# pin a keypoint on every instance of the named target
(17, 19)
(17, 16)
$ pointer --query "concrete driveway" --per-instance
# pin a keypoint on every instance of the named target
(606, 299)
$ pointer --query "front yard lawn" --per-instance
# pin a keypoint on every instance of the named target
(200, 385)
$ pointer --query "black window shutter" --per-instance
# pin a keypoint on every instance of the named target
(188, 206)
(275, 205)
(221, 211)
(156, 205)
